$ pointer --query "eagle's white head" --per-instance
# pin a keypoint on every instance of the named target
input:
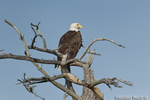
(75, 27)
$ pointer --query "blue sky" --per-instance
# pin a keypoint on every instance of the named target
(127, 22)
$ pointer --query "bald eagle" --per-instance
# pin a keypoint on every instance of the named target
(70, 42)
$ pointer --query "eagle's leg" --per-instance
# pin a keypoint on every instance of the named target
(64, 69)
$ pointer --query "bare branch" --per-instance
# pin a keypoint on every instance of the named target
(32, 81)
(65, 96)
(18, 57)
(125, 82)
(37, 28)
(75, 80)
(33, 41)
(88, 56)
(29, 89)
(109, 82)
(21, 37)
(68, 76)
(38, 96)
(33, 30)
(93, 53)
(92, 57)
(77, 63)
(68, 61)
(45, 50)
(99, 39)
(1, 50)
(29, 59)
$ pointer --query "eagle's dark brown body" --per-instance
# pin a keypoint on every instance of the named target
(70, 44)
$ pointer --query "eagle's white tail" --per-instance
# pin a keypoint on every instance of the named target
(59, 68)
(64, 58)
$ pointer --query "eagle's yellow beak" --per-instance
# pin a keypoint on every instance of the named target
(80, 26)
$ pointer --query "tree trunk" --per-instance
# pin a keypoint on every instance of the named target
(87, 93)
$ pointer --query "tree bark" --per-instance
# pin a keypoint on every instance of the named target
(87, 93)
(93, 93)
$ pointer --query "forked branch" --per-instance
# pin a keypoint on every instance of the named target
(99, 39)
(40, 34)
(109, 82)
(29, 88)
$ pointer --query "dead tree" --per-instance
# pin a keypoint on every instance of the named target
(90, 89)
